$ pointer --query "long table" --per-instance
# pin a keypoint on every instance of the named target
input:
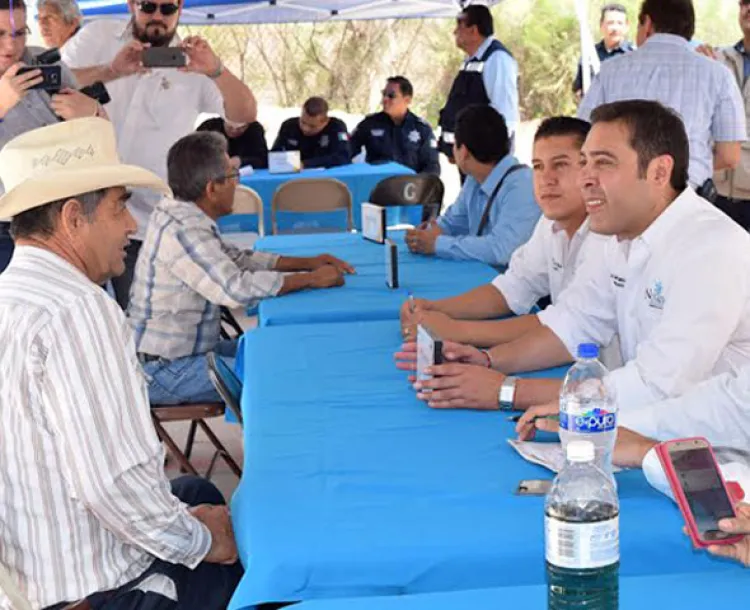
(365, 295)
(352, 487)
(679, 591)
(361, 178)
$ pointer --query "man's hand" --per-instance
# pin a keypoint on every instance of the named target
(316, 262)
(70, 104)
(707, 50)
(535, 419)
(216, 519)
(460, 386)
(422, 241)
(326, 276)
(201, 57)
(466, 354)
(740, 551)
(13, 86)
(631, 448)
(128, 60)
(437, 322)
(410, 310)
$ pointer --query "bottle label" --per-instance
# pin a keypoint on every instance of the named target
(582, 546)
(594, 420)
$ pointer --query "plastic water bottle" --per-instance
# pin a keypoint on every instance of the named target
(582, 535)
(587, 410)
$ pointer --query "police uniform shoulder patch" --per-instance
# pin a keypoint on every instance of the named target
(343, 136)
(415, 136)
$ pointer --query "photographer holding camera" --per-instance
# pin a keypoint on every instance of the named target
(23, 104)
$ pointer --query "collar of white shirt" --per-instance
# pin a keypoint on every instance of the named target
(482, 48)
(668, 39)
(580, 233)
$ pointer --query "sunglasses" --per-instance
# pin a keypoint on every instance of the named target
(166, 9)
(391, 95)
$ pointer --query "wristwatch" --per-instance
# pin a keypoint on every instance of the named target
(507, 393)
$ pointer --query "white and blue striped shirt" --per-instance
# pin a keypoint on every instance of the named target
(668, 70)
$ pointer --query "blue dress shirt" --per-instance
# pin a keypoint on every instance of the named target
(500, 78)
(512, 219)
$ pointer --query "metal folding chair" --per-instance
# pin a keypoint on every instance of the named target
(312, 196)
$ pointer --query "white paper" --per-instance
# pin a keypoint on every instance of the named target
(549, 455)
(373, 222)
(284, 162)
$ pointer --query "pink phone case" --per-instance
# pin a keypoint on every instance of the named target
(662, 450)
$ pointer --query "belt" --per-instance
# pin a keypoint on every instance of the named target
(144, 358)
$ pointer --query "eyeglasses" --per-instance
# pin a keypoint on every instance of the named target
(233, 174)
(19, 34)
(165, 9)
(391, 95)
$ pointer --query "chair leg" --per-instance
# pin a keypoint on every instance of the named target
(190, 438)
(185, 464)
(220, 448)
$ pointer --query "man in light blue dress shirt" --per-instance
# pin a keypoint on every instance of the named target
(665, 68)
(495, 212)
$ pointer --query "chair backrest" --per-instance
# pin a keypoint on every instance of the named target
(426, 190)
(307, 198)
(227, 384)
(247, 213)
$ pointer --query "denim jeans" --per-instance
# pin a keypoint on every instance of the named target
(186, 380)
(6, 246)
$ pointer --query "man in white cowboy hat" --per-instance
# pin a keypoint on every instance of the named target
(86, 508)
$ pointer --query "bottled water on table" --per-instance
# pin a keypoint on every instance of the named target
(587, 410)
(582, 535)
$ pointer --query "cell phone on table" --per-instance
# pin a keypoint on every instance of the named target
(429, 352)
(699, 488)
(164, 57)
(51, 77)
(534, 487)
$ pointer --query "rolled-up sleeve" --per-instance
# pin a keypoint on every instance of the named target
(98, 406)
(527, 278)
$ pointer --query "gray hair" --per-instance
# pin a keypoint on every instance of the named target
(67, 8)
(41, 221)
(194, 161)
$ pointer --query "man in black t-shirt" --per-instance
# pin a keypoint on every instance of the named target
(247, 141)
(323, 141)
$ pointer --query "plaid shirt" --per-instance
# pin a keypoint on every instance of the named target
(703, 91)
(185, 272)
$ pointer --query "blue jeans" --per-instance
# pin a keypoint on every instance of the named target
(186, 380)
(208, 587)
(6, 246)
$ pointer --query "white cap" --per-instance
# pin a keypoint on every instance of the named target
(580, 451)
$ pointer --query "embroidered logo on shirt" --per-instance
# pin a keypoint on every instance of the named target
(415, 136)
(655, 295)
(343, 136)
(165, 84)
(292, 142)
(556, 265)
(377, 133)
(617, 281)
(324, 141)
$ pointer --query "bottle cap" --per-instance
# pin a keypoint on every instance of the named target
(580, 451)
(588, 350)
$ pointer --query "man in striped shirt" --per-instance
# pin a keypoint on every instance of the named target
(186, 272)
(86, 510)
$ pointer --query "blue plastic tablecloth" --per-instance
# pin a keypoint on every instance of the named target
(678, 591)
(365, 295)
(361, 178)
(353, 487)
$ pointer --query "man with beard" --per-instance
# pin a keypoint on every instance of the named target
(152, 109)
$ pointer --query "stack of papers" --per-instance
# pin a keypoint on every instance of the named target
(549, 455)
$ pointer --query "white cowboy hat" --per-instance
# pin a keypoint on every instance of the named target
(62, 161)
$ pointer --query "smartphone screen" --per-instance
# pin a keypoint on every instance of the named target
(706, 495)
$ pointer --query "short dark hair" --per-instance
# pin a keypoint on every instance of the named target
(42, 220)
(655, 130)
(563, 126)
(480, 16)
(612, 7)
(5, 4)
(315, 106)
(670, 16)
(194, 161)
(483, 131)
(403, 84)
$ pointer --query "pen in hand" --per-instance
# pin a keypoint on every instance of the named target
(516, 418)
(412, 305)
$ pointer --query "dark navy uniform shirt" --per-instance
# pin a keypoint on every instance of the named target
(604, 54)
(329, 148)
(411, 144)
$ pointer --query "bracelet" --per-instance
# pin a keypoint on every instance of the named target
(219, 71)
(486, 352)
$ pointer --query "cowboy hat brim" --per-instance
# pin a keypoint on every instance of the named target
(67, 183)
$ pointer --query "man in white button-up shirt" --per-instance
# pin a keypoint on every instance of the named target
(542, 267)
(152, 109)
(674, 281)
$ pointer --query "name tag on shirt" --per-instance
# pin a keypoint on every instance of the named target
(377, 133)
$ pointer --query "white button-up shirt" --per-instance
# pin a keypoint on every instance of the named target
(85, 504)
(150, 112)
(667, 69)
(546, 264)
(678, 295)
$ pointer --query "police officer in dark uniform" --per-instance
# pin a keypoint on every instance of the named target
(488, 76)
(396, 133)
(322, 141)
